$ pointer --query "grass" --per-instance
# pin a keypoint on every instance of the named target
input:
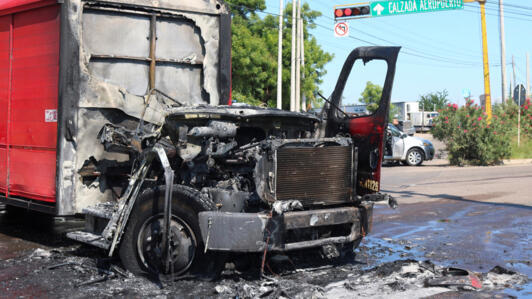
(524, 151)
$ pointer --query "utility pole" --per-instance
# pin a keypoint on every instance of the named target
(514, 83)
(487, 91)
(292, 60)
(302, 40)
(518, 105)
(503, 50)
(298, 58)
(280, 59)
(527, 75)
(512, 80)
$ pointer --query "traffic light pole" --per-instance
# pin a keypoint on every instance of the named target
(487, 89)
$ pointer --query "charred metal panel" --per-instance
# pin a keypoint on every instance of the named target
(179, 40)
(314, 175)
(212, 7)
(240, 232)
(110, 33)
(254, 232)
(367, 131)
(132, 75)
(322, 217)
(105, 59)
(179, 80)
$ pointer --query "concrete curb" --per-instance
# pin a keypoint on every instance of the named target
(517, 161)
(445, 162)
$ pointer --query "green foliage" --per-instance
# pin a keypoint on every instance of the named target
(394, 110)
(526, 118)
(470, 138)
(524, 149)
(371, 96)
(434, 101)
(254, 54)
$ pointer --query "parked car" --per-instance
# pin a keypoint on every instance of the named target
(409, 150)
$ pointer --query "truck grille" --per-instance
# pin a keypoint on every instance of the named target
(315, 175)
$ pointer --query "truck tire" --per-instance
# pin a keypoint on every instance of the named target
(140, 246)
(414, 157)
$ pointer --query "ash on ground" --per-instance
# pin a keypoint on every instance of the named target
(80, 271)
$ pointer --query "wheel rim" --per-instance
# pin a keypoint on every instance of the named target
(414, 157)
(182, 240)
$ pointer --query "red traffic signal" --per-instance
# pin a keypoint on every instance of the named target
(355, 11)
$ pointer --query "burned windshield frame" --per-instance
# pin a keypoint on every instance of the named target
(354, 68)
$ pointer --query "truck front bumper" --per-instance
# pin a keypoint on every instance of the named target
(254, 232)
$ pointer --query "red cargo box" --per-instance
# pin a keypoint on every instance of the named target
(29, 76)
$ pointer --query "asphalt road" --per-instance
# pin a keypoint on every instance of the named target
(475, 218)
(510, 184)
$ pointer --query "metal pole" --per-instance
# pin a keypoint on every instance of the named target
(518, 105)
(527, 76)
(298, 58)
(514, 82)
(518, 115)
(292, 60)
(487, 92)
(280, 59)
(302, 40)
(503, 49)
(422, 117)
(512, 79)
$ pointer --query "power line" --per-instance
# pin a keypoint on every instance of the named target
(414, 50)
(494, 12)
(409, 51)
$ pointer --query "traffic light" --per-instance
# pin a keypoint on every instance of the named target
(351, 12)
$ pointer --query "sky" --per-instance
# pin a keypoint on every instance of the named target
(440, 50)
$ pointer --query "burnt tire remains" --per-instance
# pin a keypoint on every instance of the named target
(141, 251)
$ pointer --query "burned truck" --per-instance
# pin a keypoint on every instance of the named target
(120, 111)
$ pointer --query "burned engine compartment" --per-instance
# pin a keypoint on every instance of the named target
(242, 158)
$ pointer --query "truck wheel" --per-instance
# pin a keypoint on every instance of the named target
(414, 157)
(140, 249)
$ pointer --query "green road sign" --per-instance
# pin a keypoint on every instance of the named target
(401, 7)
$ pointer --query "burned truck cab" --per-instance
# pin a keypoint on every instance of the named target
(246, 179)
(140, 138)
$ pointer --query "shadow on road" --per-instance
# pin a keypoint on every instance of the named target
(477, 199)
(42, 229)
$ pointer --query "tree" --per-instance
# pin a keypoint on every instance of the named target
(371, 96)
(254, 54)
(434, 101)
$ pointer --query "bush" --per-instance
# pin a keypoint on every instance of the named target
(470, 138)
(526, 118)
